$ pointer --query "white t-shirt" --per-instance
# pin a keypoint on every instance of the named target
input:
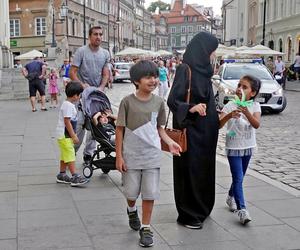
(240, 134)
(279, 66)
(297, 61)
(67, 109)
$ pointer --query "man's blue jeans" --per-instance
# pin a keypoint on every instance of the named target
(238, 168)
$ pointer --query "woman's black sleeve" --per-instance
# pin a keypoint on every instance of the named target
(177, 97)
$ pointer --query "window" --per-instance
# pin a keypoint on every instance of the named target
(183, 29)
(190, 29)
(195, 19)
(183, 41)
(198, 27)
(14, 27)
(186, 18)
(173, 41)
(173, 29)
(40, 26)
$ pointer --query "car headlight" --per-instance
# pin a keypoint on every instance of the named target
(278, 92)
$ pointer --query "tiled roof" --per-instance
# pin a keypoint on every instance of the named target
(177, 14)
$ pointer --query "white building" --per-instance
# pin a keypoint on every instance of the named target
(5, 54)
(282, 29)
(4, 23)
(230, 19)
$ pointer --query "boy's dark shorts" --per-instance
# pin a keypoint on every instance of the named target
(36, 85)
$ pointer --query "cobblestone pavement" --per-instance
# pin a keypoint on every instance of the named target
(278, 155)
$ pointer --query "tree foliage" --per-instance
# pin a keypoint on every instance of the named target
(161, 5)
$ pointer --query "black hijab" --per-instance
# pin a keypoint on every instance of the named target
(197, 53)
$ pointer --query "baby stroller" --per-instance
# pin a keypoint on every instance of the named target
(93, 101)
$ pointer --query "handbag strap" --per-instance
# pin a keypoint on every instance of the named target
(188, 95)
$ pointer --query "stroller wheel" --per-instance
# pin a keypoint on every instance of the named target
(105, 171)
(88, 171)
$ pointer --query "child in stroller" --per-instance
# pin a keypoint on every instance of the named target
(103, 121)
(100, 121)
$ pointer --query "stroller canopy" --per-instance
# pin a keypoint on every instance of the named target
(93, 100)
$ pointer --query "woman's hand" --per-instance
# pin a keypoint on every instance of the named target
(199, 108)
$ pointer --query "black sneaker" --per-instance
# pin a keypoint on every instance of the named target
(87, 159)
(78, 180)
(63, 178)
(134, 221)
(146, 237)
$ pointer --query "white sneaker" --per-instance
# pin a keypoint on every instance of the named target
(243, 215)
(231, 203)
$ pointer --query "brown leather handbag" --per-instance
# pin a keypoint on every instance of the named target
(178, 135)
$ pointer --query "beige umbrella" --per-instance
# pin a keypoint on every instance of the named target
(260, 50)
(164, 52)
(130, 51)
(30, 55)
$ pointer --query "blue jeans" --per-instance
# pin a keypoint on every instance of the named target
(238, 168)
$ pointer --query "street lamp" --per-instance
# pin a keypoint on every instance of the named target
(115, 26)
(63, 14)
(84, 28)
(264, 23)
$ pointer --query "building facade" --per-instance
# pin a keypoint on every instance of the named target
(282, 27)
(184, 21)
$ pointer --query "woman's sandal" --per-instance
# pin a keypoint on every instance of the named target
(44, 109)
(34, 110)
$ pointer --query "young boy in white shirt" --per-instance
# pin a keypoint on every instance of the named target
(66, 136)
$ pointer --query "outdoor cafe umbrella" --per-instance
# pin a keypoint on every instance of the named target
(130, 51)
(260, 50)
(30, 55)
(163, 52)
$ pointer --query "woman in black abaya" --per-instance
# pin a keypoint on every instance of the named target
(194, 170)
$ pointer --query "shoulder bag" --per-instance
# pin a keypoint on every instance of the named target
(178, 135)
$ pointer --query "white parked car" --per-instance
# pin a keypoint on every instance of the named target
(270, 97)
(122, 71)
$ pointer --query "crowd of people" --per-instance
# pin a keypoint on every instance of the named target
(139, 127)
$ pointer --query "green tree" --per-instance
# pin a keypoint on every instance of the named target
(161, 5)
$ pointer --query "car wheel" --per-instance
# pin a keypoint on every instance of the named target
(283, 106)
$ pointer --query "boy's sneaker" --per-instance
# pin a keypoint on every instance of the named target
(78, 180)
(134, 221)
(231, 203)
(63, 178)
(146, 237)
(243, 215)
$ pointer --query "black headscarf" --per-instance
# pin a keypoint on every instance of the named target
(198, 51)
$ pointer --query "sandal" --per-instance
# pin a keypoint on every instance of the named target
(44, 109)
(34, 110)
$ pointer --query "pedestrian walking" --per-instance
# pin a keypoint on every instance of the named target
(90, 68)
(35, 72)
(297, 66)
(194, 170)
(66, 136)
(242, 119)
(53, 88)
(138, 148)
(65, 72)
(163, 80)
(279, 68)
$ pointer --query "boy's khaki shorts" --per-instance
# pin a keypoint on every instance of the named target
(141, 181)
(67, 151)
